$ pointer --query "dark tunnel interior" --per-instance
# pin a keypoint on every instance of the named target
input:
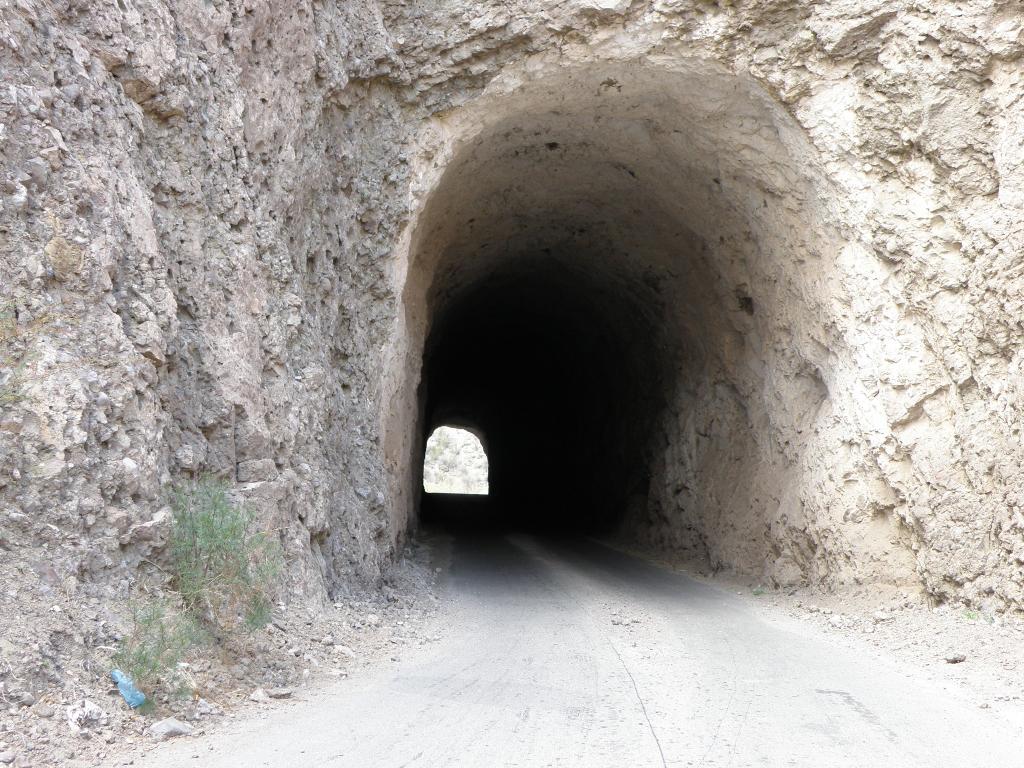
(580, 284)
(559, 370)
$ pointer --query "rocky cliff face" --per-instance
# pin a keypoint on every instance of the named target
(228, 227)
(194, 276)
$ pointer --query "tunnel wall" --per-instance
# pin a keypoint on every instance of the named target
(212, 263)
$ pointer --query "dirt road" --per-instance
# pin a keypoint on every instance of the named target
(577, 655)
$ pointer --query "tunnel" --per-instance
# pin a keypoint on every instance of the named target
(559, 369)
(625, 278)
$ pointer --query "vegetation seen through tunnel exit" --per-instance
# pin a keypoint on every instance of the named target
(455, 462)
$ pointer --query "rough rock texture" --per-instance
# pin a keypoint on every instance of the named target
(227, 226)
(195, 272)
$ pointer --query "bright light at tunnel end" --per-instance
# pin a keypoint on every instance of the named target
(455, 462)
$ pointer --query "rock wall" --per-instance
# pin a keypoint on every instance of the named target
(215, 257)
(196, 225)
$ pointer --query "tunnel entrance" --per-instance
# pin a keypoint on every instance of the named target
(627, 279)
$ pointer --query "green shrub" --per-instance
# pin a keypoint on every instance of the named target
(223, 568)
(223, 571)
(159, 639)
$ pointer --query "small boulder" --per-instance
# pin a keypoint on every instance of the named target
(344, 649)
(205, 708)
(154, 531)
(169, 728)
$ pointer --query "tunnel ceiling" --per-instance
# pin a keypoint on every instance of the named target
(683, 184)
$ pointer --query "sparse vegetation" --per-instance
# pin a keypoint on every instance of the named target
(158, 641)
(223, 571)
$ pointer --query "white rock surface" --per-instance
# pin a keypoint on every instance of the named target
(86, 715)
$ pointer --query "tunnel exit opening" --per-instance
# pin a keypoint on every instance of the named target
(455, 462)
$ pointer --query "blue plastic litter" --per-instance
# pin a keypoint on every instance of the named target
(131, 694)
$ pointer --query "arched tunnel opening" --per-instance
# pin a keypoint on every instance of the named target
(627, 279)
(455, 462)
